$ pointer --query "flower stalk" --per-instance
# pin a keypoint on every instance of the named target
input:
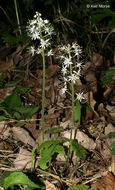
(71, 73)
(43, 93)
(41, 30)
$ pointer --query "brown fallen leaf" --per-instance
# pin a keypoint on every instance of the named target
(110, 128)
(23, 159)
(82, 139)
(4, 66)
(5, 92)
(22, 135)
(106, 183)
(51, 71)
(49, 186)
(97, 59)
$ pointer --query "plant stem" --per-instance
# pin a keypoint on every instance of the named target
(73, 112)
(6, 15)
(17, 16)
(43, 93)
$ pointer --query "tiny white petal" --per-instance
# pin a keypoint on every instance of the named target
(32, 50)
(46, 21)
(64, 70)
(50, 53)
(63, 90)
(80, 96)
(67, 61)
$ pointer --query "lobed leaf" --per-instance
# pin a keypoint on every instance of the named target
(79, 150)
(80, 187)
(47, 153)
(112, 146)
(18, 178)
(48, 143)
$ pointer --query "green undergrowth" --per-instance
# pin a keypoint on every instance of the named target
(12, 107)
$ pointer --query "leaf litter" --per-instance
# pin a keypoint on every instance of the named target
(16, 143)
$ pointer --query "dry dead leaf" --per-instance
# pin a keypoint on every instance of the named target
(89, 98)
(23, 136)
(23, 159)
(65, 124)
(4, 130)
(5, 92)
(104, 112)
(50, 186)
(91, 81)
(107, 93)
(85, 141)
(97, 59)
(106, 183)
(108, 129)
(111, 110)
(51, 71)
(113, 164)
(4, 66)
(82, 139)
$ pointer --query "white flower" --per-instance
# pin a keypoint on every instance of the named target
(67, 61)
(77, 49)
(40, 23)
(64, 70)
(61, 57)
(38, 28)
(30, 30)
(32, 50)
(35, 35)
(48, 29)
(38, 50)
(46, 21)
(62, 48)
(80, 96)
(44, 43)
(77, 73)
(32, 22)
(63, 90)
(73, 78)
(50, 53)
(79, 64)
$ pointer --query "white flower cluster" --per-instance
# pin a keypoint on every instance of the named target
(42, 30)
(70, 55)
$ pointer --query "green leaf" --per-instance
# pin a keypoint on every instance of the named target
(78, 113)
(18, 178)
(112, 146)
(47, 153)
(108, 78)
(23, 90)
(13, 83)
(15, 40)
(88, 107)
(101, 14)
(26, 111)
(110, 135)
(3, 118)
(80, 187)
(19, 124)
(17, 115)
(54, 130)
(78, 149)
(2, 77)
(13, 100)
(47, 143)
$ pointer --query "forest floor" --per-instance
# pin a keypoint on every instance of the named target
(19, 71)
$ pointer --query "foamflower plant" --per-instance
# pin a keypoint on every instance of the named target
(70, 56)
(41, 30)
